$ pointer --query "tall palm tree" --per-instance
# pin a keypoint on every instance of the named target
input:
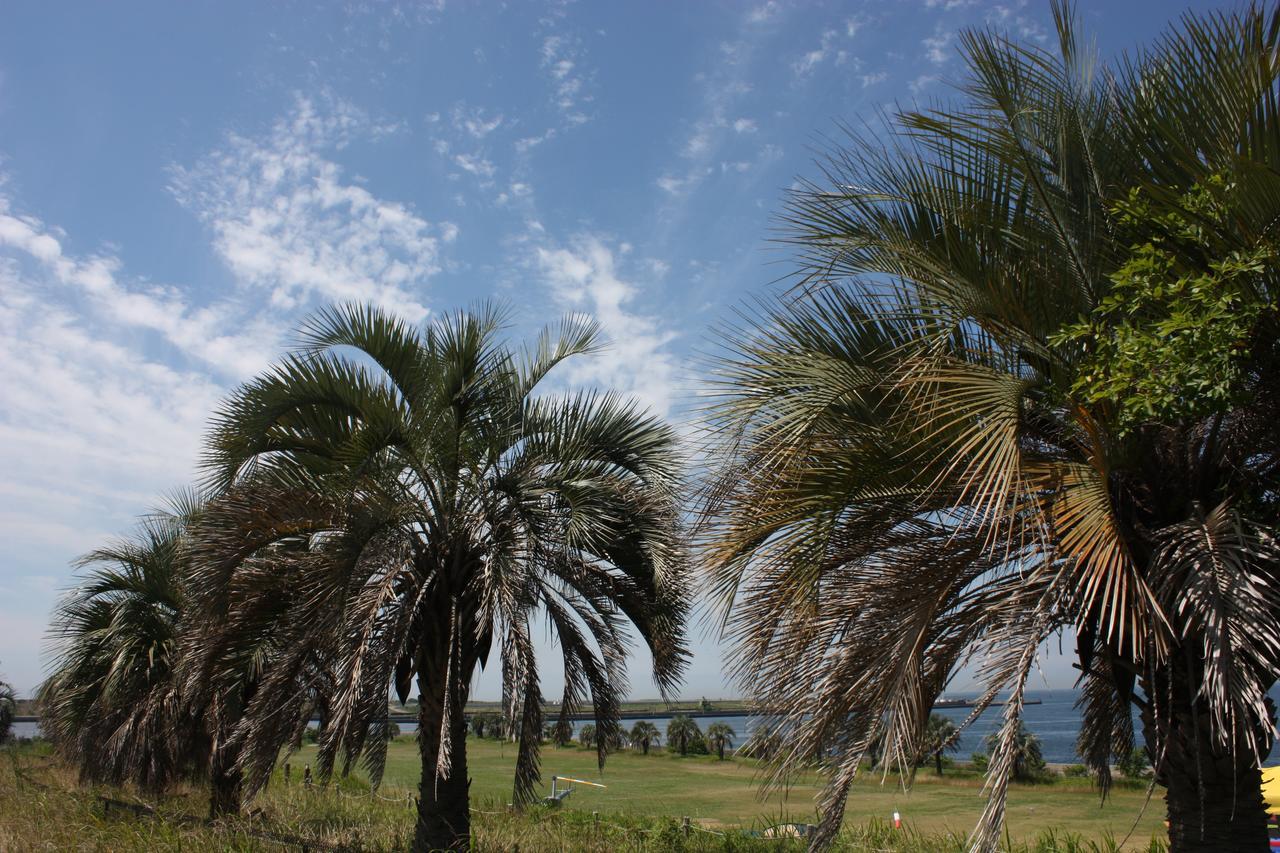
(919, 468)
(112, 705)
(645, 734)
(683, 733)
(719, 736)
(434, 503)
(587, 735)
(940, 735)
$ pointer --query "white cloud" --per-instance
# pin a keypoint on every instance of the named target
(285, 218)
(828, 48)
(561, 57)
(671, 184)
(526, 144)
(93, 427)
(584, 277)
(873, 78)
(476, 165)
(1011, 17)
(199, 333)
(765, 13)
(474, 122)
(744, 125)
(937, 47)
(922, 82)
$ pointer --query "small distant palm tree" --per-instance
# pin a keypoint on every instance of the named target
(940, 735)
(682, 733)
(644, 734)
(719, 736)
(587, 736)
(764, 743)
(8, 709)
(1028, 761)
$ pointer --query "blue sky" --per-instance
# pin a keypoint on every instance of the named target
(180, 183)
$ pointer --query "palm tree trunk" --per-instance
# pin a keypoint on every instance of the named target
(937, 761)
(645, 745)
(1213, 798)
(443, 804)
(224, 787)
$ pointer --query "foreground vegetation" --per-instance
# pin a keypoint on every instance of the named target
(42, 808)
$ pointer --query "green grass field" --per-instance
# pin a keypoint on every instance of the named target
(42, 808)
(716, 793)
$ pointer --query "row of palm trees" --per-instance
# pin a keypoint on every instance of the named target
(387, 505)
(1026, 383)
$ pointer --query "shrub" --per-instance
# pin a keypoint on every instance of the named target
(1133, 765)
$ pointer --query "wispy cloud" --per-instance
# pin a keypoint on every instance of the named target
(201, 333)
(475, 122)
(764, 13)
(285, 218)
(585, 277)
(833, 47)
(937, 47)
(562, 59)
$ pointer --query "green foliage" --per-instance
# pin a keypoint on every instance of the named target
(1133, 764)
(684, 736)
(980, 760)
(720, 737)
(1170, 341)
(8, 709)
(1075, 771)
(587, 735)
(644, 734)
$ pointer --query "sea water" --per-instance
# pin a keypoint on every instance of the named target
(1055, 721)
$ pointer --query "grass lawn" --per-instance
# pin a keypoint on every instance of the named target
(716, 793)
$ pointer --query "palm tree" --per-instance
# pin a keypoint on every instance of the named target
(765, 743)
(438, 505)
(1028, 762)
(8, 709)
(683, 733)
(645, 734)
(720, 735)
(587, 735)
(940, 735)
(112, 706)
(921, 460)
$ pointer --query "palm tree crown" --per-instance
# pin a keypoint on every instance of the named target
(433, 505)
